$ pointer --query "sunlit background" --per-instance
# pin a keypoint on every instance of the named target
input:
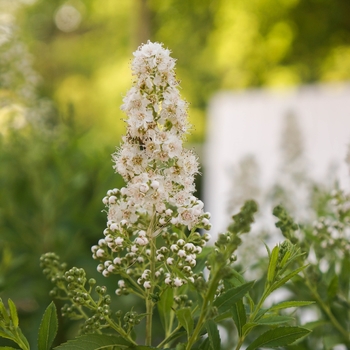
(64, 68)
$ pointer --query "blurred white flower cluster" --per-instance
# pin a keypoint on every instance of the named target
(19, 101)
(158, 197)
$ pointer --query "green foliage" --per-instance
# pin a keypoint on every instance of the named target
(9, 327)
(48, 328)
(324, 245)
(223, 295)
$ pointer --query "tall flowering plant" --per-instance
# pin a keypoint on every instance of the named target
(152, 246)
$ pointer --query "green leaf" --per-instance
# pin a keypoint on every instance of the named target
(185, 319)
(239, 315)
(280, 336)
(286, 278)
(332, 289)
(94, 342)
(205, 345)
(271, 272)
(230, 297)
(164, 306)
(13, 312)
(7, 348)
(274, 320)
(48, 328)
(314, 324)
(288, 304)
(5, 334)
(213, 334)
(223, 316)
(4, 313)
(175, 336)
(248, 327)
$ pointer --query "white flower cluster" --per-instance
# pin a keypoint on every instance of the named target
(159, 175)
(334, 229)
(159, 171)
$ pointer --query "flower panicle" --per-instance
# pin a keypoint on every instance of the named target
(159, 175)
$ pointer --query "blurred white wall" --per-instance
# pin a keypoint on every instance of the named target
(251, 122)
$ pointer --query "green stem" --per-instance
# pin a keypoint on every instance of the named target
(164, 342)
(207, 300)
(149, 301)
(326, 309)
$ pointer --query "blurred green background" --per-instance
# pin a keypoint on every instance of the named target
(64, 68)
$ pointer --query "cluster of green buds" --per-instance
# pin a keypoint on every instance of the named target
(72, 285)
(228, 242)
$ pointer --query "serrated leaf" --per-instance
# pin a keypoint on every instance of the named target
(227, 299)
(13, 312)
(94, 342)
(4, 313)
(23, 338)
(239, 316)
(268, 250)
(185, 318)
(213, 335)
(48, 328)
(271, 272)
(332, 289)
(286, 278)
(274, 320)
(280, 336)
(164, 306)
(288, 304)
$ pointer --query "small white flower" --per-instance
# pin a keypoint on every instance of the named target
(105, 273)
(168, 212)
(113, 227)
(160, 257)
(142, 233)
(119, 241)
(181, 242)
(112, 199)
(178, 282)
(121, 284)
(174, 221)
(117, 261)
(118, 291)
(174, 248)
(155, 184)
(147, 285)
(101, 242)
(141, 241)
(181, 253)
(111, 268)
(134, 249)
(144, 188)
(100, 253)
(168, 280)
